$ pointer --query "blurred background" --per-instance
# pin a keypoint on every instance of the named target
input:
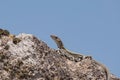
(90, 27)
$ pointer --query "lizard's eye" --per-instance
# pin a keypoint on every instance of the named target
(55, 37)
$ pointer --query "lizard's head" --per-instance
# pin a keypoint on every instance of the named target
(55, 38)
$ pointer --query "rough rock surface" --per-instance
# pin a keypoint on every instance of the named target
(32, 59)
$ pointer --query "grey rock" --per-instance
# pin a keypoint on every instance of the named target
(32, 59)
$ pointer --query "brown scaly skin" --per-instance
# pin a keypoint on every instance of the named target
(60, 45)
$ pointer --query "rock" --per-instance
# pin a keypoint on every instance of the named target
(31, 59)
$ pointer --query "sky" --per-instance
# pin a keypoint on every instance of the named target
(90, 27)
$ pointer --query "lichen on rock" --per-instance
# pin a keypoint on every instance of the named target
(25, 57)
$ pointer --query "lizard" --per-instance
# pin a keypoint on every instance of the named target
(60, 45)
(76, 57)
